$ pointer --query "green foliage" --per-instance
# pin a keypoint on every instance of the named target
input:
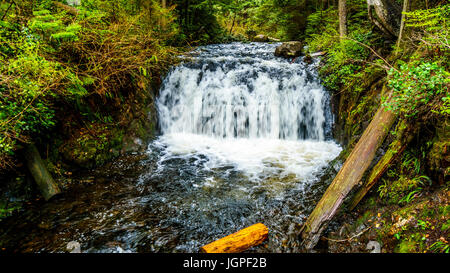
(419, 88)
(198, 22)
(440, 247)
(29, 83)
(431, 26)
(52, 62)
(6, 210)
(346, 60)
(405, 183)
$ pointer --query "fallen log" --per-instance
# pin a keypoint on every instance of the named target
(69, 9)
(349, 175)
(317, 54)
(43, 179)
(395, 150)
(239, 241)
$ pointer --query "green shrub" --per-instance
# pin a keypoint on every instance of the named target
(419, 89)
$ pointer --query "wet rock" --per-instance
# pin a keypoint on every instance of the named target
(289, 49)
(73, 247)
(133, 144)
(308, 59)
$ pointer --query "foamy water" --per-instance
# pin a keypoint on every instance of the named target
(259, 158)
(240, 106)
(245, 139)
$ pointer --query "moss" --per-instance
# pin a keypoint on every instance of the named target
(92, 145)
(406, 247)
(445, 226)
(363, 219)
(428, 212)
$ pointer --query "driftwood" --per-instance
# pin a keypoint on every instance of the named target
(317, 54)
(395, 150)
(44, 180)
(350, 174)
(69, 9)
(239, 241)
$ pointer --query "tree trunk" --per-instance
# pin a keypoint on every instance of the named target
(386, 15)
(44, 180)
(402, 22)
(342, 18)
(232, 25)
(395, 150)
(163, 18)
(349, 175)
(239, 241)
(186, 12)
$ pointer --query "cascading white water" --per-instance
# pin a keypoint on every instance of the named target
(245, 139)
(240, 105)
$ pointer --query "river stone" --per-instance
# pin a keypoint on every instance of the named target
(73, 247)
(289, 49)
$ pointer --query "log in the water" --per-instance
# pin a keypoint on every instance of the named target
(349, 175)
(239, 241)
(395, 150)
(44, 180)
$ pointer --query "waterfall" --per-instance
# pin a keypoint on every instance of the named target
(239, 104)
(227, 94)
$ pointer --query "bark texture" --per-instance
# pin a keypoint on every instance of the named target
(239, 241)
(349, 175)
(342, 18)
(386, 15)
(44, 180)
(395, 150)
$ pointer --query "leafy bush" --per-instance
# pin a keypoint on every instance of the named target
(53, 64)
(29, 84)
(430, 26)
(420, 89)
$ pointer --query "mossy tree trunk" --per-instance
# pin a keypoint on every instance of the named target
(396, 148)
(349, 175)
(43, 179)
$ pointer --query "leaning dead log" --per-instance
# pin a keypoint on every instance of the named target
(44, 180)
(239, 241)
(350, 174)
(395, 150)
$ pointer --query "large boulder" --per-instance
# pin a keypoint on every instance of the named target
(289, 49)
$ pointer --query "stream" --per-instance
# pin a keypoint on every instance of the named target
(245, 137)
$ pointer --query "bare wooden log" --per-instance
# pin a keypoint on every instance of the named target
(348, 176)
(239, 241)
(69, 9)
(395, 150)
(44, 180)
